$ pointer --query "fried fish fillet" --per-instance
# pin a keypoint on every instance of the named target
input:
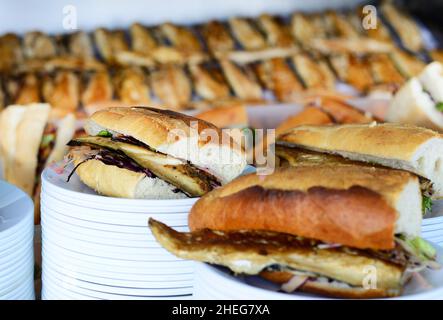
(250, 252)
(187, 178)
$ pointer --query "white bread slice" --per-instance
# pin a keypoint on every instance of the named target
(28, 138)
(9, 120)
(431, 78)
(412, 105)
(65, 132)
(405, 147)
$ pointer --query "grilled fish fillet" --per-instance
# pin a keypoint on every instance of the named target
(250, 252)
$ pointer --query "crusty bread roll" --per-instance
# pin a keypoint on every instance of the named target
(117, 182)
(357, 206)
(309, 115)
(9, 120)
(28, 137)
(432, 80)
(65, 132)
(174, 134)
(412, 105)
(405, 147)
(226, 117)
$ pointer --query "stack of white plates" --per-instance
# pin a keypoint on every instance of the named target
(216, 283)
(16, 244)
(96, 247)
(432, 226)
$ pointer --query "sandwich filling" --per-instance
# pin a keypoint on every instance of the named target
(255, 252)
(128, 153)
(293, 156)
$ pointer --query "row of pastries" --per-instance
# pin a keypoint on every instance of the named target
(260, 59)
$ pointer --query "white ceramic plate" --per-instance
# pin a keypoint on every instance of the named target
(24, 292)
(134, 208)
(102, 234)
(17, 260)
(127, 277)
(64, 280)
(16, 210)
(67, 292)
(13, 249)
(22, 238)
(131, 272)
(112, 217)
(16, 279)
(160, 282)
(256, 288)
(149, 242)
(111, 247)
(102, 226)
(137, 266)
(133, 254)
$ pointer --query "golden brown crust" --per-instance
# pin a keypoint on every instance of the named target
(98, 89)
(217, 37)
(352, 70)
(408, 64)
(276, 33)
(142, 40)
(27, 91)
(310, 201)
(148, 125)
(224, 117)
(172, 86)
(241, 80)
(406, 28)
(315, 74)
(277, 76)
(131, 87)
(80, 45)
(309, 115)
(249, 37)
(382, 140)
(342, 112)
(62, 92)
(109, 43)
(209, 84)
(181, 38)
(384, 71)
(10, 51)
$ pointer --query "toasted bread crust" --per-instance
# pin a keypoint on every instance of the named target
(149, 125)
(383, 140)
(309, 201)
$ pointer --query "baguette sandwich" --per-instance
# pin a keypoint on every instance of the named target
(414, 149)
(420, 100)
(29, 143)
(311, 228)
(142, 152)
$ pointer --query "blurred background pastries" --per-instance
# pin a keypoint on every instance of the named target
(260, 59)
